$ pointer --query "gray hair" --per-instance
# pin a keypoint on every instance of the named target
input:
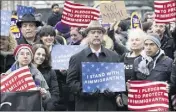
(135, 33)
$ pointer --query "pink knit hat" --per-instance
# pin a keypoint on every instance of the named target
(22, 46)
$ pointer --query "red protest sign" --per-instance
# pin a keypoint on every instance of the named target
(165, 11)
(78, 15)
(19, 80)
(148, 96)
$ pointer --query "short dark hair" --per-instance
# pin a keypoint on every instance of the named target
(54, 5)
(47, 30)
(146, 26)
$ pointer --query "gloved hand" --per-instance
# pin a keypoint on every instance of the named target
(95, 93)
(91, 94)
(119, 101)
(109, 93)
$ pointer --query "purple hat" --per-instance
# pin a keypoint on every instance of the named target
(61, 27)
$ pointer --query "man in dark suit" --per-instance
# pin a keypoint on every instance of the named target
(95, 52)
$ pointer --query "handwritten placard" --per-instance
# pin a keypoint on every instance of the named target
(114, 11)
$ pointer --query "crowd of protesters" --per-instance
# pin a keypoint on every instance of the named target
(148, 54)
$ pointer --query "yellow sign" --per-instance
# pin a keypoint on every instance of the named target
(135, 20)
(13, 28)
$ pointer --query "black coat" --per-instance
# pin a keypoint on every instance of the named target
(168, 45)
(6, 62)
(22, 40)
(51, 79)
(161, 72)
(54, 19)
(173, 79)
(74, 77)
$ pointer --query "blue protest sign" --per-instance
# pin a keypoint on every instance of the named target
(21, 10)
(103, 76)
(5, 22)
(60, 55)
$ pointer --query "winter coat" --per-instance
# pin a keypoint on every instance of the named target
(63, 88)
(51, 79)
(6, 57)
(129, 66)
(173, 79)
(159, 69)
(54, 18)
(22, 40)
(6, 62)
(74, 80)
(168, 45)
(37, 76)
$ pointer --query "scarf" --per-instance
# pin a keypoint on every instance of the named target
(143, 65)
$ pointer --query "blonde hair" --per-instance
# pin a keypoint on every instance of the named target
(12, 42)
(135, 33)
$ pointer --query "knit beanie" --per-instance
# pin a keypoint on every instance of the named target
(22, 46)
(61, 27)
(155, 38)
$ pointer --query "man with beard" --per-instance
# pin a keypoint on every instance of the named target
(56, 15)
(28, 27)
(95, 52)
(167, 43)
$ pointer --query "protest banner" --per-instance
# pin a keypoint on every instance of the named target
(21, 10)
(13, 27)
(5, 22)
(165, 11)
(112, 12)
(78, 15)
(21, 101)
(103, 76)
(60, 55)
(148, 96)
(18, 80)
(135, 21)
